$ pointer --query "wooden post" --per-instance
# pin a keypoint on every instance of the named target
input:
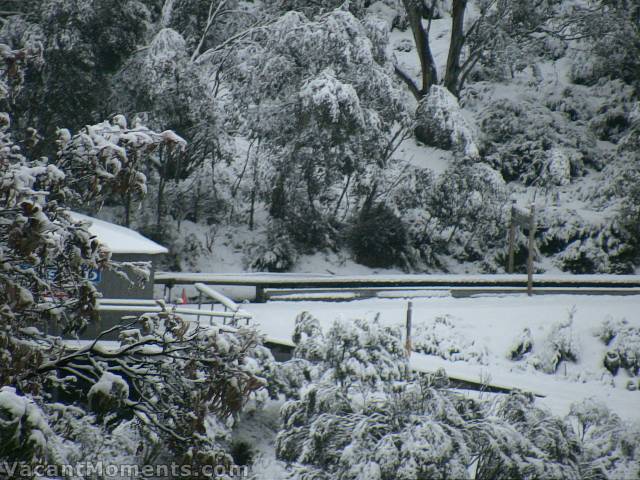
(512, 237)
(260, 296)
(408, 346)
(532, 233)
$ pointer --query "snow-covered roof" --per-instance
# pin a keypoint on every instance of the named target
(120, 239)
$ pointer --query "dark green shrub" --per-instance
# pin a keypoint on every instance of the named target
(378, 238)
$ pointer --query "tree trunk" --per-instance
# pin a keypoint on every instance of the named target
(532, 246)
(127, 209)
(452, 74)
(161, 187)
(512, 238)
(421, 38)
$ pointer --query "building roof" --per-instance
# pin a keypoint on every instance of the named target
(120, 239)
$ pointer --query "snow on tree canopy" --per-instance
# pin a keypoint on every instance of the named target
(167, 48)
(440, 123)
(109, 392)
(119, 239)
(23, 427)
(338, 99)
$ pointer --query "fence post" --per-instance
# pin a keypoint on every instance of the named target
(532, 239)
(512, 237)
(199, 304)
(408, 346)
(260, 296)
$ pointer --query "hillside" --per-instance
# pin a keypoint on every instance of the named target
(306, 131)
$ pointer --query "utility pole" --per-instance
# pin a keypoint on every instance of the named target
(512, 236)
(532, 234)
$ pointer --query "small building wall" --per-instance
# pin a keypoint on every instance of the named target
(111, 285)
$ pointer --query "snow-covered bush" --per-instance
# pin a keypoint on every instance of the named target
(599, 243)
(559, 346)
(108, 394)
(378, 238)
(516, 439)
(523, 139)
(362, 415)
(81, 437)
(413, 201)
(357, 417)
(440, 337)
(521, 346)
(608, 329)
(623, 342)
(460, 213)
(468, 203)
(440, 123)
(609, 447)
(277, 253)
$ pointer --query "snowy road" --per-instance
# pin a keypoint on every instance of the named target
(492, 323)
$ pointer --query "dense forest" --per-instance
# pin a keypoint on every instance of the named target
(289, 135)
(393, 134)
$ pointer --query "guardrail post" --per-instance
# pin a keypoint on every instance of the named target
(260, 296)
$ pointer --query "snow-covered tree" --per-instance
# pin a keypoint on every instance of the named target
(44, 256)
(324, 110)
(82, 44)
(487, 30)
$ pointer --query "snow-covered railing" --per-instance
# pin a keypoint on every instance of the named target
(262, 281)
(153, 306)
(229, 305)
(125, 301)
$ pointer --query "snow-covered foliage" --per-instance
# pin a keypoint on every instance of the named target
(378, 238)
(44, 254)
(440, 123)
(609, 448)
(299, 112)
(522, 345)
(23, 427)
(319, 129)
(109, 159)
(407, 427)
(460, 213)
(609, 48)
(559, 346)
(524, 140)
(276, 254)
(623, 342)
(442, 338)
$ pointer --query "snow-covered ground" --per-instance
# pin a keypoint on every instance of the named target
(490, 324)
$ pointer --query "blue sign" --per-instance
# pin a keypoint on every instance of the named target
(94, 275)
(91, 274)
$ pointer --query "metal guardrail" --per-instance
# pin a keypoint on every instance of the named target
(599, 284)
